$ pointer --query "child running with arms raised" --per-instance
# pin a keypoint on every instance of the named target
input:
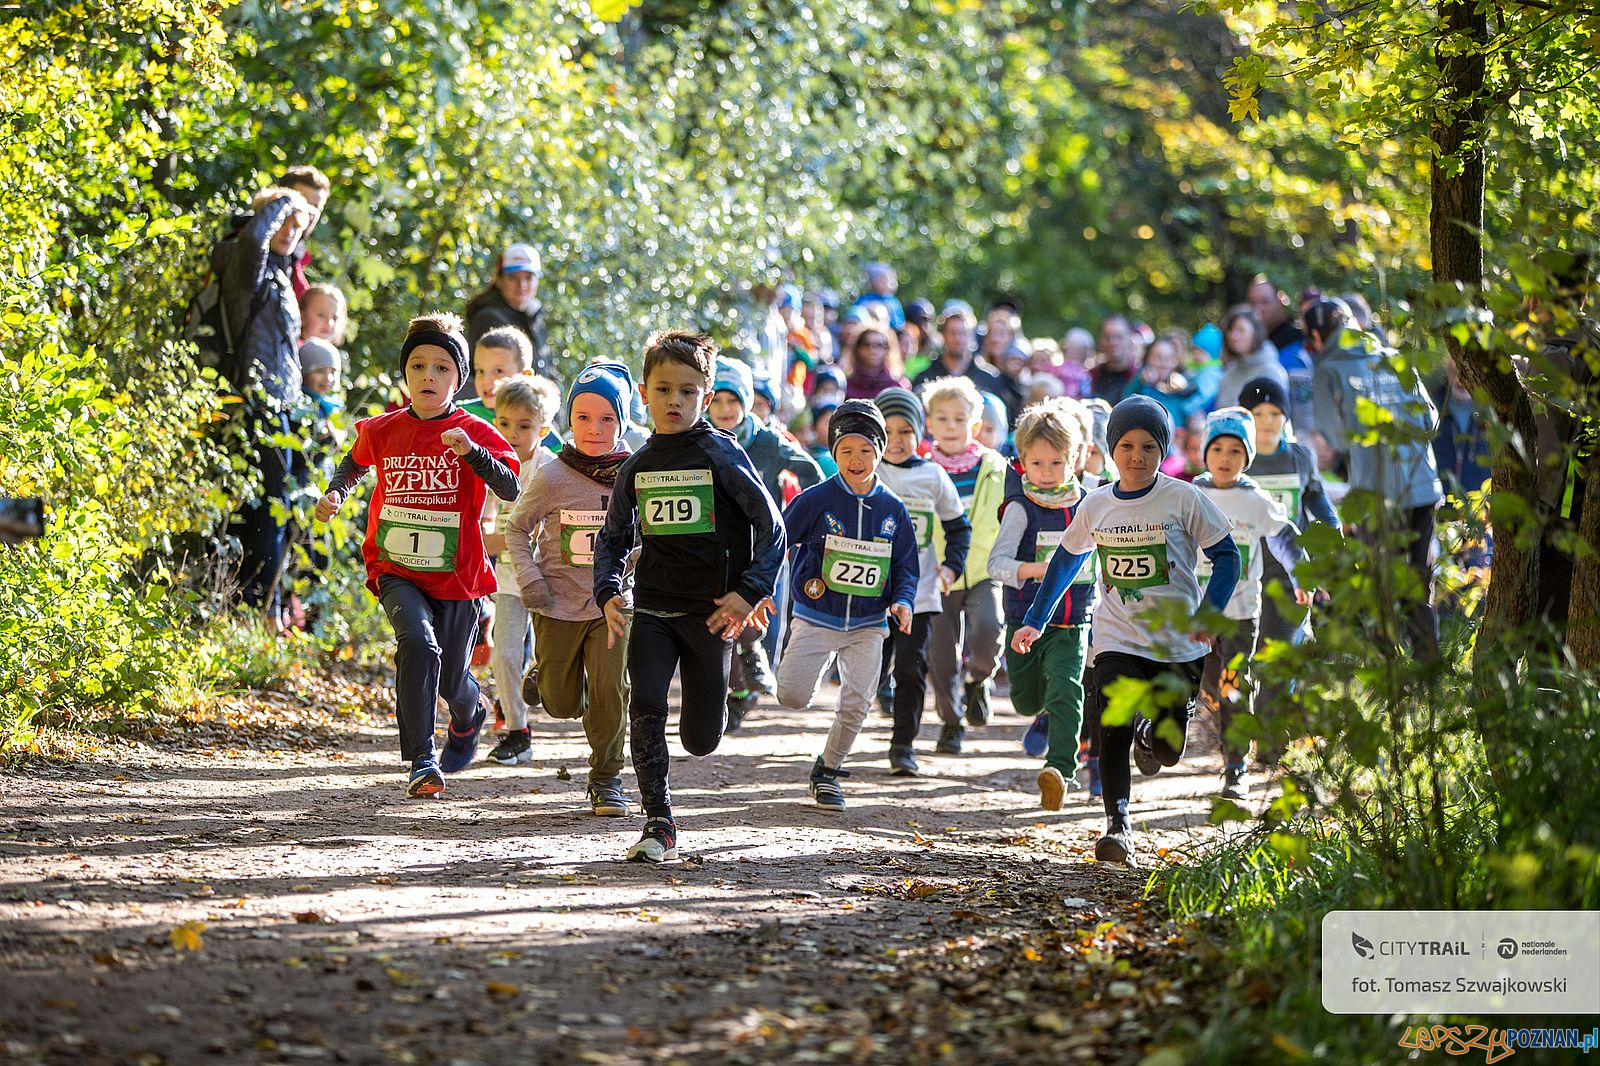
(712, 546)
(424, 548)
(580, 667)
(1042, 496)
(855, 560)
(1257, 519)
(1149, 530)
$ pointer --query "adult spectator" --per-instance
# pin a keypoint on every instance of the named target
(1113, 377)
(313, 186)
(873, 364)
(1271, 305)
(1078, 358)
(957, 358)
(1162, 379)
(512, 299)
(1351, 368)
(1461, 447)
(882, 283)
(1247, 354)
(263, 317)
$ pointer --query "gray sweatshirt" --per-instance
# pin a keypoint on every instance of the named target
(1263, 363)
(1356, 368)
(550, 535)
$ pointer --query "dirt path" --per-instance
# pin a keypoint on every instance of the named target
(216, 900)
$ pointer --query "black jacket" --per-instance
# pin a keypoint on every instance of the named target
(263, 315)
(489, 309)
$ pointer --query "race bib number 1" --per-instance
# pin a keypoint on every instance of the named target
(855, 567)
(922, 516)
(1139, 566)
(675, 502)
(578, 532)
(417, 539)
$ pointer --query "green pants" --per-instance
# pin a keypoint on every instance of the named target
(579, 677)
(1049, 680)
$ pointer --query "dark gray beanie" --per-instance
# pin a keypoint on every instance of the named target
(902, 403)
(1140, 412)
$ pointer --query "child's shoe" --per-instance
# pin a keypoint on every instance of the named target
(1144, 756)
(425, 781)
(499, 717)
(886, 701)
(1117, 844)
(1095, 789)
(825, 788)
(1235, 783)
(1052, 788)
(739, 705)
(515, 747)
(757, 674)
(658, 844)
(530, 688)
(459, 748)
(606, 798)
(977, 693)
(902, 760)
(1036, 741)
(949, 742)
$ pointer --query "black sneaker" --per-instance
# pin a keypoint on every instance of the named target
(739, 705)
(949, 742)
(425, 780)
(606, 799)
(977, 703)
(1235, 783)
(757, 673)
(1144, 756)
(530, 688)
(658, 844)
(514, 747)
(902, 760)
(825, 788)
(1117, 844)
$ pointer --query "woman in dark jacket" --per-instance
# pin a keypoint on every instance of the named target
(511, 299)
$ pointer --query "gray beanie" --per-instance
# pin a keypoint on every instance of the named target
(896, 402)
(1100, 412)
(1140, 412)
(318, 354)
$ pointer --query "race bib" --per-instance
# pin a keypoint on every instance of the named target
(922, 518)
(855, 567)
(674, 502)
(417, 539)
(1203, 567)
(578, 532)
(1284, 490)
(1136, 566)
(1045, 544)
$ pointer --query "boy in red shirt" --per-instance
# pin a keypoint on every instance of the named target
(424, 546)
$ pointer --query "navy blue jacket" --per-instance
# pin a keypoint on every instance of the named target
(1076, 606)
(832, 510)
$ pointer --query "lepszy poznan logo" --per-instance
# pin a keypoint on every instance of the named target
(1362, 945)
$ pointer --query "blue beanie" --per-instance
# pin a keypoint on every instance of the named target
(1208, 338)
(734, 377)
(1139, 412)
(1232, 422)
(610, 381)
(763, 388)
(994, 411)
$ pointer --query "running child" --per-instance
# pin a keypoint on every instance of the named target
(424, 548)
(524, 409)
(1042, 496)
(580, 672)
(934, 505)
(970, 619)
(712, 546)
(1258, 521)
(786, 471)
(855, 562)
(1149, 531)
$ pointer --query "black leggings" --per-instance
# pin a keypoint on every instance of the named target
(906, 654)
(1116, 741)
(657, 648)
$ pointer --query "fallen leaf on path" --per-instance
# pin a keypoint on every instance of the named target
(502, 989)
(186, 937)
(311, 918)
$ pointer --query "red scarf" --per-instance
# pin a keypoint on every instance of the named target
(959, 464)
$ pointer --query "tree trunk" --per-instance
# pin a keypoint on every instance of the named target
(1583, 614)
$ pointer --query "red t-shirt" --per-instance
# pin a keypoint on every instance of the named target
(422, 523)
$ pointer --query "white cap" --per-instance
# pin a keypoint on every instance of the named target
(520, 259)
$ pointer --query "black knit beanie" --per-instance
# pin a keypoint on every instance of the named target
(454, 343)
(1258, 391)
(1140, 412)
(862, 418)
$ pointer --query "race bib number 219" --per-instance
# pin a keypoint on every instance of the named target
(676, 502)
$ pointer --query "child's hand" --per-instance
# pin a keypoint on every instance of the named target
(1031, 571)
(328, 506)
(762, 615)
(616, 621)
(536, 597)
(902, 616)
(1302, 597)
(947, 577)
(1196, 633)
(494, 543)
(1022, 640)
(729, 619)
(457, 441)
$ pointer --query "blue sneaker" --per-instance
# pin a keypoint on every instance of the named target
(460, 748)
(1036, 741)
(1094, 777)
(425, 780)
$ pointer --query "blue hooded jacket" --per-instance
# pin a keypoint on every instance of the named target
(854, 556)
